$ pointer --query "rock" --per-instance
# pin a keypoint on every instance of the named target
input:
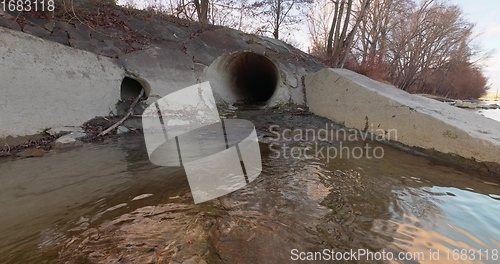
(465, 104)
(60, 36)
(5, 154)
(122, 130)
(37, 152)
(8, 23)
(50, 25)
(59, 130)
(111, 52)
(77, 135)
(36, 31)
(69, 141)
(4, 13)
(24, 153)
(91, 45)
(28, 153)
(62, 143)
(79, 32)
(194, 260)
(39, 22)
(62, 25)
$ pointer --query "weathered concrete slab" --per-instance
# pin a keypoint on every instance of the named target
(167, 69)
(362, 103)
(46, 84)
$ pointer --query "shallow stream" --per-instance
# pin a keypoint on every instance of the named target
(106, 203)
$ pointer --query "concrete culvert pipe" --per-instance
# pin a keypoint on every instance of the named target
(243, 78)
(254, 78)
(131, 88)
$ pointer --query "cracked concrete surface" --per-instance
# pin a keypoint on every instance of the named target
(70, 72)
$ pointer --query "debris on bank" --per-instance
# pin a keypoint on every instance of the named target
(69, 137)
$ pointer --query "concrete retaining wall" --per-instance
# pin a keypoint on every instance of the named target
(46, 84)
(360, 102)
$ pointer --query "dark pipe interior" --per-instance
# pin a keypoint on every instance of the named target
(254, 78)
(130, 88)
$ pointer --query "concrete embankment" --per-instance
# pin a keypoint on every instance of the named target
(49, 84)
(362, 103)
(46, 84)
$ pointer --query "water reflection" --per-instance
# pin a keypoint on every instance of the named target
(454, 220)
(105, 203)
(438, 209)
(45, 198)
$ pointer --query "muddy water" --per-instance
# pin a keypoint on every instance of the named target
(106, 203)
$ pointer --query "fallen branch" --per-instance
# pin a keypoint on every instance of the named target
(130, 111)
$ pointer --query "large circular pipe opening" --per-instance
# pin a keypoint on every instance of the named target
(253, 77)
(131, 88)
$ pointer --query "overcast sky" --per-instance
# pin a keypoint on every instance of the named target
(486, 15)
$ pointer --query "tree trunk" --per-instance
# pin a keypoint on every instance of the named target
(329, 45)
(277, 21)
(350, 37)
(336, 38)
(202, 10)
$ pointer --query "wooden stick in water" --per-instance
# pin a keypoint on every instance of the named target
(130, 111)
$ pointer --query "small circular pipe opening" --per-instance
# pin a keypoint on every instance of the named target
(131, 88)
(254, 78)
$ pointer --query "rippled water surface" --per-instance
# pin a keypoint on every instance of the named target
(107, 203)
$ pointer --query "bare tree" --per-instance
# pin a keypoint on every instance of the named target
(373, 37)
(421, 47)
(341, 35)
(433, 32)
(318, 23)
(229, 13)
(275, 15)
(202, 10)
